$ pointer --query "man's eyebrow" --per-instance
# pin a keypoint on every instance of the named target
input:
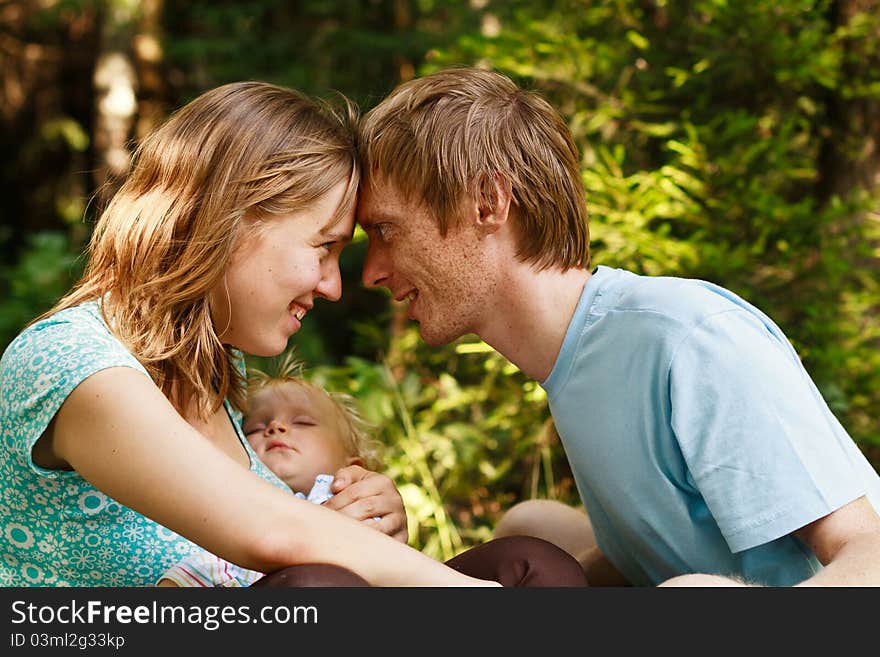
(375, 217)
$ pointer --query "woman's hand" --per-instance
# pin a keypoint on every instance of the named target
(370, 497)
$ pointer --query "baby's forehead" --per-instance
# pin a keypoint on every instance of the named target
(288, 393)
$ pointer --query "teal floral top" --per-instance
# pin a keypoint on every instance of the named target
(57, 529)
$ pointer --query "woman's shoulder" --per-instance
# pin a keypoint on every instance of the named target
(77, 327)
(64, 345)
(64, 325)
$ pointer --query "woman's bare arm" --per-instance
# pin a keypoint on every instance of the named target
(120, 433)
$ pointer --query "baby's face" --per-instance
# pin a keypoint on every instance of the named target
(296, 432)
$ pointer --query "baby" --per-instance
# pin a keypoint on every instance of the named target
(302, 433)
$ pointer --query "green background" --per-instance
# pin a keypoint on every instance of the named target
(726, 140)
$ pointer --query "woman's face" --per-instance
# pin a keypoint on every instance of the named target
(276, 272)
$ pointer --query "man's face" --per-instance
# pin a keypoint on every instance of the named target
(444, 280)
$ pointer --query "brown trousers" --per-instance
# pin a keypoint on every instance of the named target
(518, 561)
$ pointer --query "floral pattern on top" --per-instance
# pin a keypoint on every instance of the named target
(56, 528)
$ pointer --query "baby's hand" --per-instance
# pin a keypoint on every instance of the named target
(370, 497)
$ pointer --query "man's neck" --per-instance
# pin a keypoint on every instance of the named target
(528, 324)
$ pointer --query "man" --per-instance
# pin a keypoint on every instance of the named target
(702, 450)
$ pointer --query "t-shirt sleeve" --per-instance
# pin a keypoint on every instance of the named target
(761, 445)
(43, 365)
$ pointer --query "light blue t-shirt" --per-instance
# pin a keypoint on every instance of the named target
(697, 440)
(56, 528)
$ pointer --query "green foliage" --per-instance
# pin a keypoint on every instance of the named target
(42, 275)
(357, 48)
(703, 127)
(720, 140)
(466, 434)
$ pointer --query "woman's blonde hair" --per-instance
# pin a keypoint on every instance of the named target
(355, 430)
(165, 238)
(448, 138)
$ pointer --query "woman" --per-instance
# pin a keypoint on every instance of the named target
(120, 407)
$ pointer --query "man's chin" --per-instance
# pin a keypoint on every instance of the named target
(435, 339)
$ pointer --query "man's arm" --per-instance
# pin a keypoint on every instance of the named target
(846, 542)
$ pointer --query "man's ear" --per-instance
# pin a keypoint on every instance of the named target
(494, 204)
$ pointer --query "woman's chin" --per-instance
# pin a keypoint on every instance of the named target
(264, 349)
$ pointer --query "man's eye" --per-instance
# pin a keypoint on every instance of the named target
(383, 231)
(303, 421)
(255, 429)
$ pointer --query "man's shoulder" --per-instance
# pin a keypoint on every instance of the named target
(680, 300)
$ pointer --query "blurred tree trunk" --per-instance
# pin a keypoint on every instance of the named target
(849, 162)
(115, 82)
(149, 59)
(47, 53)
(850, 155)
(851, 152)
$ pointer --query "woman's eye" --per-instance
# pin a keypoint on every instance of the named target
(255, 429)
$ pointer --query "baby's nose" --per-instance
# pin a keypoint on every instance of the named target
(275, 426)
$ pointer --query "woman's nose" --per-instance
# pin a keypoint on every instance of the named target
(330, 285)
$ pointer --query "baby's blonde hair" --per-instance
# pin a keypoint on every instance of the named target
(356, 431)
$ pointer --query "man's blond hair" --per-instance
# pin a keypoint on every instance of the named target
(165, 239)
(446, 139)
(355, 431)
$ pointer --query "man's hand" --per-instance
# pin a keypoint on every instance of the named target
(370, 497)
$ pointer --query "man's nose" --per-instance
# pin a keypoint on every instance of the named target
(275, 426)
(376, 269)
